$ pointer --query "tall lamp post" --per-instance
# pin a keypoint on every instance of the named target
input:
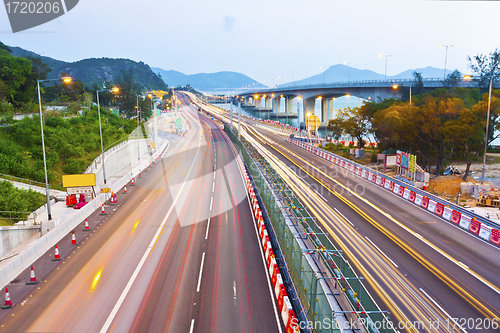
(386, 56)
(349, 73)
(137, 107)
(487, 128)
(115, 90)
(396, 87)
(65, 80)
(445, 57)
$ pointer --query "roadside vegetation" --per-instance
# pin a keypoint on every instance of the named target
(447, 124)
(16, 200)
(70, 124)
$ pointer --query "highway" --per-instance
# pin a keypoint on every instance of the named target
(421, 269)
(178, 253)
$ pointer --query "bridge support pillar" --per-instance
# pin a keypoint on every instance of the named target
(268, 102)
(276, 104)
(288, 104)
(324, 109)
(309, 106)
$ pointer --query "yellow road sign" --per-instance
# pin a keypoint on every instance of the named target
(105, 190)
(312, 122)
(86, 179)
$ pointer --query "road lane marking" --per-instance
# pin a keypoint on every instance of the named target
(214, 174)
(440, 308)
(321, 195)
(345, 218)
(463, 265)
(211, 202)
(201, 272)
(208, 227)
(271, 290)
(213, 186)
(121, 299)
(379, 250)
(214, 166)
(192, 326)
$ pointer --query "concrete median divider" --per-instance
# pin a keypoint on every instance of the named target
(448, 211)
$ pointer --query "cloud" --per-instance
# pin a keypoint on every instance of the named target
(227, 24)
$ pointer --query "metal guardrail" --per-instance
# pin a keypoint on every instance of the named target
(335, 270)
(22, 180)
(452, 205)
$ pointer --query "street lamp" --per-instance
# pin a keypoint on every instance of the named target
(115, 90)
(385, 56)
(65, 80)
(349, 73)
(487, 127)
(445, 57)
(137, 107)
(396, 87)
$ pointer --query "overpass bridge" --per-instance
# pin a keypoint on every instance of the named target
(270, 99)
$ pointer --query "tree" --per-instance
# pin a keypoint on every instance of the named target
(16, 74)
(127, 97)
(355, 123)
(335, 126)
(466, 133)
(418, 85)
(486, 67)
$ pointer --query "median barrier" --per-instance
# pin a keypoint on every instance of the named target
(439, 209)
(485, 232)
(465, 222)
(406, 194)
(425, 203)
(431, 207)
(495, 237)
(447, 213)
(401, 191)
(454, 214)
(475, 226)
(455, 217)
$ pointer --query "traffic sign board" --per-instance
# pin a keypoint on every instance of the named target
(105, 190)
(79, 190)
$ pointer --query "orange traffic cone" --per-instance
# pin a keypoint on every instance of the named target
(150, 164)
(32, 277)
(57, 257)
(124, 189)
(139, 174)
(8, 302)
(86, 226)
(103, 212)
(73, 238)
(132, 182)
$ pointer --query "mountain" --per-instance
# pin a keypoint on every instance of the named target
(206, 82)
(96, 71)
(343, 73)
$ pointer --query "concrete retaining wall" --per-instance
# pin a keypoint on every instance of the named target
(12, 236)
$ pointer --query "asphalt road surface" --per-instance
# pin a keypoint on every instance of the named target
(178, 253)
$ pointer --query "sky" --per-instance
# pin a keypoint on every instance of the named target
(268, 39)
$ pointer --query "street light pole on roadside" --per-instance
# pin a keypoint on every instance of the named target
(65, 80)
(137, 116)
(445, 57)
(100, 130)
(487, 130)
(386, 56)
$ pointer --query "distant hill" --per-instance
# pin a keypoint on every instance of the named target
(206, 82)
(93, 70)
(343, 73)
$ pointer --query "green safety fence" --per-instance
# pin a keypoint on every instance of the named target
(307, 283)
